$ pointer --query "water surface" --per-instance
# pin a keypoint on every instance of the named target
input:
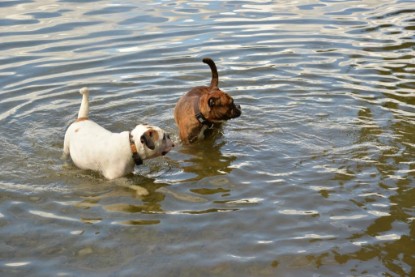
(316, 178)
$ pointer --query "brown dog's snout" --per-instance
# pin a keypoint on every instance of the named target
(237, 110)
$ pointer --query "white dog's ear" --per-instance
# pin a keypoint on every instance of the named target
(149, 138)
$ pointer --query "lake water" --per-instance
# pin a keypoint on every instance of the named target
(316, 178)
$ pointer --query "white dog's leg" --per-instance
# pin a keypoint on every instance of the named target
(84, 109)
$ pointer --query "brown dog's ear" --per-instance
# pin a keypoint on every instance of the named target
(148, 139)
(212, 101)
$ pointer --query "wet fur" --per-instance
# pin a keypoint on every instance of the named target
(91, 146)
(214, 104)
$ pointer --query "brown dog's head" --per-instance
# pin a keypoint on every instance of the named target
(217, 105)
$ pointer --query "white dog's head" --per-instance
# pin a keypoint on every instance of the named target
(151, 141)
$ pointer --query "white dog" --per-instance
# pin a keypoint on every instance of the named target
(113, 154)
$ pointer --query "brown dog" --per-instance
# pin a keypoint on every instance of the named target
(204, 108)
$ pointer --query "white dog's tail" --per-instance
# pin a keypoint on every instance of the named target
(84, 109)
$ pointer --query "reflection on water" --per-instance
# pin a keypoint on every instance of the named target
(206, 159)
(315, 178)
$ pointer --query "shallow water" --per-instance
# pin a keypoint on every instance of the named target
(317, 177)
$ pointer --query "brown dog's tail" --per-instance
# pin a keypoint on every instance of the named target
(215, 78)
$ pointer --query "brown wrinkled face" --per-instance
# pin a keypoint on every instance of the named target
(221, 106)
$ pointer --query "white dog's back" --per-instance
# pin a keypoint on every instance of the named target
(93, 147)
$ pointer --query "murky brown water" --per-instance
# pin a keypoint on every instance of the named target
(316, 178)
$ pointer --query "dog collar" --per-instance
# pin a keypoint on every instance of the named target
(200, 117)
(135, 156)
